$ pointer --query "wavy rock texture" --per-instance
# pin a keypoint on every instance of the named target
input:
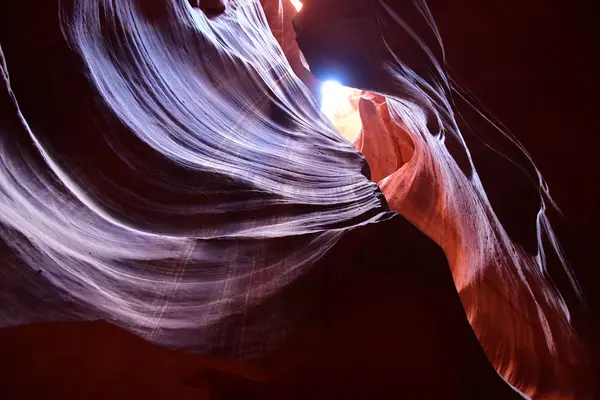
(165, 168)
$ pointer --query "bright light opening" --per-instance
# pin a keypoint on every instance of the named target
(340, 104)
(333, 95)
(297, 4)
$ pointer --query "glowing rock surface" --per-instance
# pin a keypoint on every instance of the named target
(174, 176)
